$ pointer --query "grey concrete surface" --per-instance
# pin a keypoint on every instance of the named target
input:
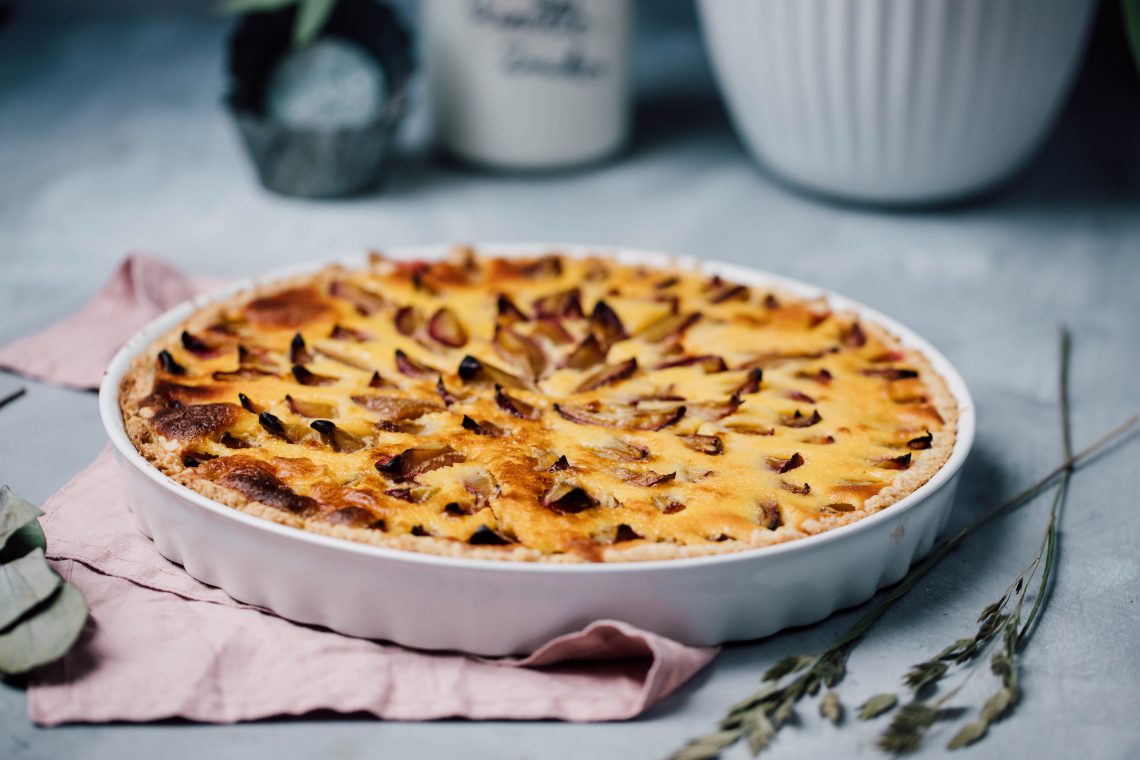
(112, 139)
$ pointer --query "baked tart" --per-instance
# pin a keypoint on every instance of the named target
(550, 408)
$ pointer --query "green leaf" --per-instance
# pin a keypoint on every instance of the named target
(877, 705)
(759, 731)
(969, 734)
(311, 18)
(830, 707)
(707, 747)
(24, 583)
(1132, 23)
(47, 635)
(237, 7)
(15, 513)
(786, 665)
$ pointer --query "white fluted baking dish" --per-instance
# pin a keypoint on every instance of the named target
(896, 101)
(496, 608)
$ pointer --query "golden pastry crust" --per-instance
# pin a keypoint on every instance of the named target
(542, 409)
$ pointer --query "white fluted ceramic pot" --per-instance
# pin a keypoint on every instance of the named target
(895, 101)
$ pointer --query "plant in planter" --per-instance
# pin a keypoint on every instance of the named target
(317, 88)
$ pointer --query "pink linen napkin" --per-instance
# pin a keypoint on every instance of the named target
(74, 351)
(160, 644)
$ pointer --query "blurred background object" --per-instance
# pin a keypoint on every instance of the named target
(317, 89)
(895, 101)
(529, 84)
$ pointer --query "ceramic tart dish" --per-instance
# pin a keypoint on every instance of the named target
(482, 448)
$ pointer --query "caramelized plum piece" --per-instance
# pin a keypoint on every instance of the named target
(304, 376)
(397, 408)
(620, 416)
(667, 283)
(769, 514)
(242, 373)
(588, 354)
(608, 375)
(561, 464)
(776, 358)
(567, 497)
(168, 364)
(413, 462)
(248, 405)
(471, 370)
(802, 490)
(668, 505)
(365, 301)
(445, 395)
(751, 383)
(515, 407)
(413, 495)
(551, 328)
(921, 442)
(709, 363)
(298, 352)
(340, 332)
(565, 303)
(820, 440)
(723, 292)
(606, 325)
(231, 441)
(412, 368)
(800, 396)
(750, 428)
(483, 427)
(853, 336)
(287, 309)
(337, 438)
(705, 444)
(891, 373)
(274, 426)
(786, 465)
(648, 479)
(482, 487)
(710, 411)
(310, 409)
(544, 266)
(621, 451)
(801, 420)
(484, 536)
(895, 463)
(520, 350)
(821, 376)
(444, 327)
(195, 458)
(508, 312)
(668, 327)
(408, 320)
(840, 507)
(196, 345)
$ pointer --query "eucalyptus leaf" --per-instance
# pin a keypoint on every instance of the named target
(15, 513)
(46, 636)
(311, 18)
(24, 540)
(237, 7)
(24, 583)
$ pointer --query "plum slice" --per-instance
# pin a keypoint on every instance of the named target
(620, 416)
(446, 328)
(609, 375)
(337, 438)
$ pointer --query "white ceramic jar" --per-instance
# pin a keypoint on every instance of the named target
(528, 84)
(895, 101)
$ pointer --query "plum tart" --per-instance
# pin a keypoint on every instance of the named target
(550, 408)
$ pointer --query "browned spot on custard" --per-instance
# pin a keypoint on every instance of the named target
(256, 480)
(186, 423)
(291, 308)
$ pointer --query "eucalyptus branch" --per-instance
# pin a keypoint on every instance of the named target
(761, 715)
